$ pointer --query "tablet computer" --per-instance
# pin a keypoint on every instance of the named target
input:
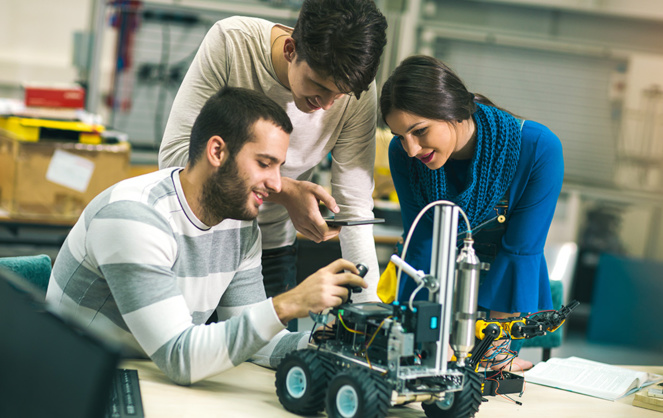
(350, 222)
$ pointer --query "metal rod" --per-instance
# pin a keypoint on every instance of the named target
(443, 266)
(94, 55)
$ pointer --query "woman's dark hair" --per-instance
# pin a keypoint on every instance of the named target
(231, 114)
(341, 39)
(426, 87)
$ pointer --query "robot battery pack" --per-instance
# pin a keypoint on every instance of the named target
(423, 320)
(501, 384)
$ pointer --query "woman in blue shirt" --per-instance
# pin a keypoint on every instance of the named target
(505, 173)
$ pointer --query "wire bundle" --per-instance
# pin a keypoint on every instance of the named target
(499, 355)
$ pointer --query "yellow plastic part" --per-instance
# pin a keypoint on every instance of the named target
(388, 284)
(481, 325)
(22, 132)
(89, 138)
(28, 129)
(508, 325)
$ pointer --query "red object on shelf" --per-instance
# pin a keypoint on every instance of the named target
(45, 96)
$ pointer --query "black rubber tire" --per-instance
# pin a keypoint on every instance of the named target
(464, 404)
(316, 374)
(373, 393)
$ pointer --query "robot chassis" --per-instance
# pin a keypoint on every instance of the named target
(378, 355)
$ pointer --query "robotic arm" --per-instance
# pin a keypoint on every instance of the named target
(526, 327)
(516, 328)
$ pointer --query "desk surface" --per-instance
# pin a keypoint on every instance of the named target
(248, 391)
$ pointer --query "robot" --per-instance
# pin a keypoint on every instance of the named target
(376, 355)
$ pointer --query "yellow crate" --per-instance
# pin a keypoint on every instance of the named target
(30, 129)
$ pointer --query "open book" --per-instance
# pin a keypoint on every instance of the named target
(589, 377)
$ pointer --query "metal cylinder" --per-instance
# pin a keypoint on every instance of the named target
(400, 399)
(466, 295)
(443, 266)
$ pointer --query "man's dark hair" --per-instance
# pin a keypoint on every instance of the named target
(231, 114)
(342, 39)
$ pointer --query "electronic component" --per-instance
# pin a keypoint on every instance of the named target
(353, 222)
(424, 320)
(501, 383)
(362, 270)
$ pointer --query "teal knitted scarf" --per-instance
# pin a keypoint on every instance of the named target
(490, 172)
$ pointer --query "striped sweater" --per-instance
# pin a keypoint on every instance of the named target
(139, 266)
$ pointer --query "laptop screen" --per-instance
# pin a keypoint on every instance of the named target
(48, 366)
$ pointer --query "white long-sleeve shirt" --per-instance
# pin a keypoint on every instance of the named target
(139, 266)
(237, 52)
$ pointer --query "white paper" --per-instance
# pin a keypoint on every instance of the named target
(70, 170)
(589, 377)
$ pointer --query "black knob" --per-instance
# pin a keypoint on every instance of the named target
(362, 272)
(362, 269)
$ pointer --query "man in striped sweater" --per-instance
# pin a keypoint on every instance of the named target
(151, 258)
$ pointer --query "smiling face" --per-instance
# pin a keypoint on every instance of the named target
(310, 90)
(433, 142)
(238, 188)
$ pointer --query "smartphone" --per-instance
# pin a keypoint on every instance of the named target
(350, 222)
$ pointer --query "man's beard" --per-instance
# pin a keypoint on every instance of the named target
(225, 195)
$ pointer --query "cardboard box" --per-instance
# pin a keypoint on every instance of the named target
(55, 180)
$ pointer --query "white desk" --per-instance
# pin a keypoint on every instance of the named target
(248, 391)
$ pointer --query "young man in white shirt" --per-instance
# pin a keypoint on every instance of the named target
(153, 257)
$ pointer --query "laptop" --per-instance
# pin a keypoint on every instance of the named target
(54, 367)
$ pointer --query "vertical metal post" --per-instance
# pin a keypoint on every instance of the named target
(409, 30)
(443, 267)
(94, 55)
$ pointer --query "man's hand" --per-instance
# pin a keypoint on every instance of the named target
(301, 199)
(323, 289)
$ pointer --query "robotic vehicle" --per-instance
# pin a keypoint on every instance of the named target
(377, 355)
